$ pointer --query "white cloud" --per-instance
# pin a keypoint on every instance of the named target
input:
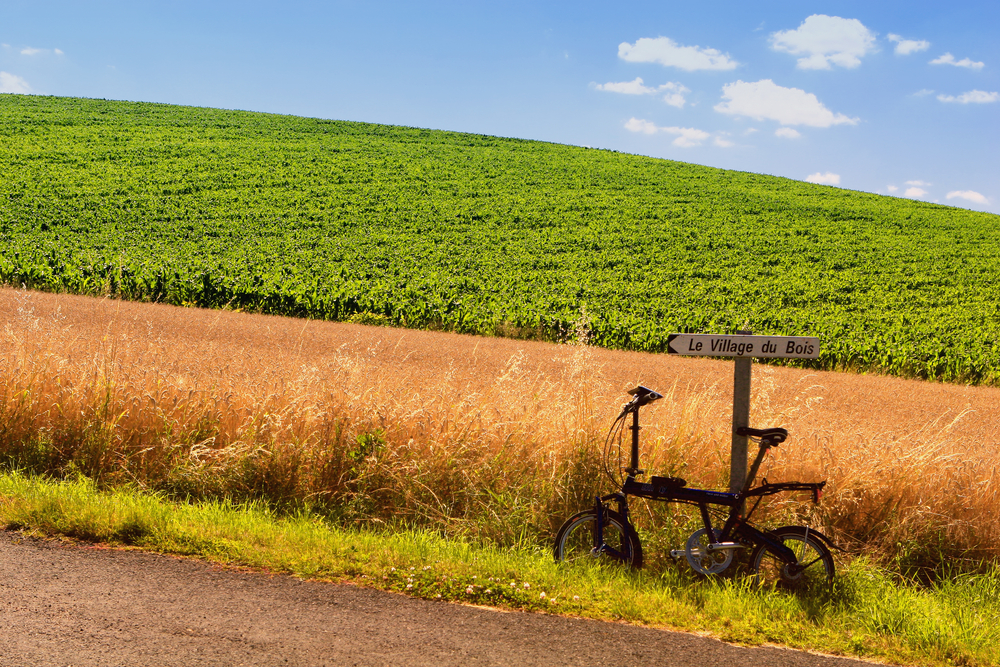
(891, 188)
(11, 83)
(32, 51)
(923, 92)
(914, 192)
(686, 136)
(674, 97)
(829, 178)
(627, 87)
(920, 184)
(825, 41)
(971, 97)
(644, 126)
(675, 94)
(787, 133)
(668, 53)
(970, 195)
(789, 106)
(948, 59)
(723, 143)
(905, 47)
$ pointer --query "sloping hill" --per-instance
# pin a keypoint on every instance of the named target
(480, 234)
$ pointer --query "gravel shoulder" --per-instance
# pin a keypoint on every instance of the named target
(78, 604)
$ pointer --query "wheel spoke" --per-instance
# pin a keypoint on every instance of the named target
(769, 568)
(811, 563)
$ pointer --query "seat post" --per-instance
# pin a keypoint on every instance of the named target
(634, 464)
(761, 452)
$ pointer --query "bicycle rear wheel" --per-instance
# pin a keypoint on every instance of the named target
(575, 540)
(812, 570)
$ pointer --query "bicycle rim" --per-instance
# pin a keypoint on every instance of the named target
(575, 540)
(813, 570)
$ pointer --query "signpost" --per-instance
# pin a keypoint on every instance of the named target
(743, 347)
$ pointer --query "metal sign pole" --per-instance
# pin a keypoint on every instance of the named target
(741, 418)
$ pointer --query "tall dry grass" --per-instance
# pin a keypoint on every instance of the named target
(497, 439)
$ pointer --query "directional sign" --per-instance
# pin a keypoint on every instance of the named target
(765, 347)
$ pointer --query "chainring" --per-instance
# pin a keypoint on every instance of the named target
(701, 559)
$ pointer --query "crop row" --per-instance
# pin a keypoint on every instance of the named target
(478, 234)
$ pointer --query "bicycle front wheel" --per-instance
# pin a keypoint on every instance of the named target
(812, 570)
(575, 540)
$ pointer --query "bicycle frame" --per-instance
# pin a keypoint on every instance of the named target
(736, 525)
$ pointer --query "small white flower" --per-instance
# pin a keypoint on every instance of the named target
(576, 598)
(527, 585)
(541, 596)
(437, 597)
(409, 586)
(468, 591)
(392, 569)
(488, 591)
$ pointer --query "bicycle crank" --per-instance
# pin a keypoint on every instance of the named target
(707, 558)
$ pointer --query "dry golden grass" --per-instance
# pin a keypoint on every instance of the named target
(492, 437)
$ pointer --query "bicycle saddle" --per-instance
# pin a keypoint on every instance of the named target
(773, 436)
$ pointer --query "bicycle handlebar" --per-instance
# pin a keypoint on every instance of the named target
(641, 396)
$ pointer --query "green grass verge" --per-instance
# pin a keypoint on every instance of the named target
(869, 614)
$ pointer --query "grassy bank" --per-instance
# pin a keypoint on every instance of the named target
(869, 614)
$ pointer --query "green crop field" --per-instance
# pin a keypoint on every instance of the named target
(480, 234)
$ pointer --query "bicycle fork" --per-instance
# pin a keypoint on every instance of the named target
(600, 546)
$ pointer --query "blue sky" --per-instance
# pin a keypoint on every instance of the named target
(899, 98)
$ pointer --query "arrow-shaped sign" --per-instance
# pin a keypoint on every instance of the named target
(764, 347)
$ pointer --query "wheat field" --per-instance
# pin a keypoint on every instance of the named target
(491, 438)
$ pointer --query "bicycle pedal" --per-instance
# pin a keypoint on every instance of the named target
(677, 554)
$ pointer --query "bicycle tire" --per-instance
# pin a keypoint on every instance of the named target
(769, 570)
(575, 539)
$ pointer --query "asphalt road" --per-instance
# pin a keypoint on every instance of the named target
(86, 605)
